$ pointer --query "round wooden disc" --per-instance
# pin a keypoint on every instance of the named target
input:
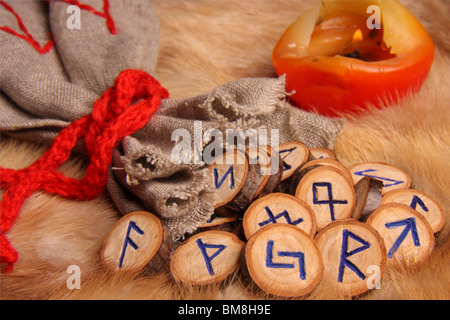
(293, 155)
(329, 194)
(206, 258)
(275, 173)
(279, 208)
(368, 197)
(283, 260)
(392, 176)
(351, 252)
(229, 172)
(132, 242)
(422, 203)
(215, 221)
(329, 162)
(362, 188)
(407, 235)
(321, 153)
(261, 156)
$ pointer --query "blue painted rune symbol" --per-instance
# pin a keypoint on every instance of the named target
(129, 241)
(410, 225)
(288, 151)
(330, 201)
(417, 201)
(345, 254)
(294, 254)
(273, 219)
(387, 182)
(203, 246)
(230, 172)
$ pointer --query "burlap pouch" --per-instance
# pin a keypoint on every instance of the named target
(43, 92)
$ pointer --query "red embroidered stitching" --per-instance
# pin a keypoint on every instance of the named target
(49, 45)
(105, 14)
(27, 37)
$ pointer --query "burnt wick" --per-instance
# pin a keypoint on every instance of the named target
(354, 54)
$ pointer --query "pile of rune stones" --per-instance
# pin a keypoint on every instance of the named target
(287, 220)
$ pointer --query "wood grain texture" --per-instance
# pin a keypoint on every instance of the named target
(393, 177)
(421, 202)
(329, 193)
(407, 235)
(132, 242)
(321, 153)
(229, 173)
(207, 257)
(293, 154)
(283, 260)
(350, 251)
(368, 197)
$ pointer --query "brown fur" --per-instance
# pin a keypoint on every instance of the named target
(206, 43)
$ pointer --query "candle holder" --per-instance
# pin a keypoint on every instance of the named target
(341, 57)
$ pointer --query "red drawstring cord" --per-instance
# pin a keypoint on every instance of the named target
(120, 111)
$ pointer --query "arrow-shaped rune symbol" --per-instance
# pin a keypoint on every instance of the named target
(410, 225)
(364, 173)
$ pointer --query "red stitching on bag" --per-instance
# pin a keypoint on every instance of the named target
(105, 14)
(49, 45)
(27, 37)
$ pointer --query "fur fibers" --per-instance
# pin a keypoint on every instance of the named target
(204, 44)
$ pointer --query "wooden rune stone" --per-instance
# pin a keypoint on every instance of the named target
(392, 176)
(422, 203)
(311, 165)
(321, 153)
(207, 257)
(293, 155)
(352, 251)
(132, 242)
(271, 168)
(279, 208)
(283, 260)
(329, 194)
(216, 221)
(368, 197)
(329, 162)
(261, 156)
(250, 188)
(407, 235)
(229, 172)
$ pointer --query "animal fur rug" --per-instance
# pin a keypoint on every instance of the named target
(204, 44)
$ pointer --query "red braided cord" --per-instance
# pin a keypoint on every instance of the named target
(120, 111)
